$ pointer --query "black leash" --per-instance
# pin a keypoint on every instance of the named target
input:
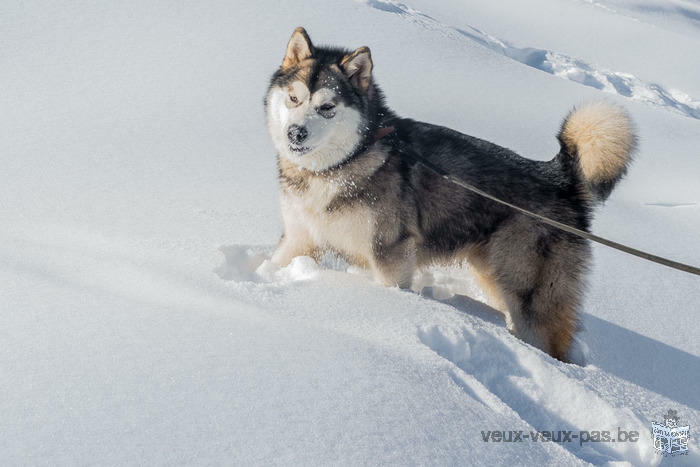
(567, 228)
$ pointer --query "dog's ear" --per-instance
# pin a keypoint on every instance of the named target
(299, 48)
(357, 66)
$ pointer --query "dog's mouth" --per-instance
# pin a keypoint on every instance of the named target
(299, 150)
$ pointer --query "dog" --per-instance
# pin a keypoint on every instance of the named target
(351, 182)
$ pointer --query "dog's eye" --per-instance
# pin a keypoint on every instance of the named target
(293, 99)
(327, 110)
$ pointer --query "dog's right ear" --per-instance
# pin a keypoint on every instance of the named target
(299, 48)
(358, 68)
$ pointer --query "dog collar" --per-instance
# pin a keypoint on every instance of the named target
(382, 132)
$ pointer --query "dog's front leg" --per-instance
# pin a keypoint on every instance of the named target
(295, 241)
(394, 264)
(291, 246)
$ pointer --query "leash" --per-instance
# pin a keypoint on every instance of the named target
(381, 132)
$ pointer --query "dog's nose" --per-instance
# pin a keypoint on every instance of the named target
(297, 134)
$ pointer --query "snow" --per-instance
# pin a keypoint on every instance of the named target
(558, 64)
(143, 322)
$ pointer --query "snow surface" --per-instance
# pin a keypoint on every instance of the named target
(142, 322)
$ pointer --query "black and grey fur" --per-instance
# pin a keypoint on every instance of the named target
(350, 183)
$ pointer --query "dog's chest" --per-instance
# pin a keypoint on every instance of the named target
(332, 216)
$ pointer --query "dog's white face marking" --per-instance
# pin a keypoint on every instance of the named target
(333, 130)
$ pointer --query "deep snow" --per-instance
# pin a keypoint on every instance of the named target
(138, 202)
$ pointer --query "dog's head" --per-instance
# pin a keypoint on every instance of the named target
(318, 103)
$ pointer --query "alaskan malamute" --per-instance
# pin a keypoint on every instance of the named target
(350, 183)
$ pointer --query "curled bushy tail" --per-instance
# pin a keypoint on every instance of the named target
(601, 138)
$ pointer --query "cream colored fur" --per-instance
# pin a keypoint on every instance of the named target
(308, 225)
(604, 138)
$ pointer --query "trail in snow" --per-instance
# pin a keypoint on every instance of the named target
(495, 369)
(557, 64)
(250, 263)
(539, 392)
(673, 11)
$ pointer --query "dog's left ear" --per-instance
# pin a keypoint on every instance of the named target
(299, 48)
(358, 68)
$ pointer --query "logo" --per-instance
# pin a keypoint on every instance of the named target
(669, 438)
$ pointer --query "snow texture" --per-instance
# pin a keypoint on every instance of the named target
(144, 324)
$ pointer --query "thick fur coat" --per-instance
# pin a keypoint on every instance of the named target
(350, 183)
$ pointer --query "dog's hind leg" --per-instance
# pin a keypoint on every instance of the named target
(541, 281)
(493, 292)
(539, 318)
(545, 312)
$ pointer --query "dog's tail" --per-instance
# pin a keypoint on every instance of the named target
(600, 139)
